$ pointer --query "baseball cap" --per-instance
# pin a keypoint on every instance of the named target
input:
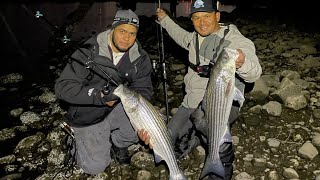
(125, 17)
(203, 6)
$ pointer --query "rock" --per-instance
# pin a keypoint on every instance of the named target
(243, 176)
(290, 173)
(308, 151)
(259, 92)
(144, 175)
(143, 160)
(273, 175)
(272, 108)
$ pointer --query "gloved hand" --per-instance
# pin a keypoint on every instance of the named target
(107, 96)
(199, 121)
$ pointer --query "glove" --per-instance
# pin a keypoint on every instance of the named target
(199, 121)
(107, 94)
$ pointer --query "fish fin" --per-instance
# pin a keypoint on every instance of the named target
(179, 176)
(228, 89)
(157, 158)
(212, 167)
(238, 96)
(199, 120)
(232, 53)
(226, 137)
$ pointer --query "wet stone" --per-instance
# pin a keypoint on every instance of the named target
(290, 173)
(6, 134)
(143, 160)
(259, 162)
(16, 112)
(144, 175)
(7, 159)
(273, 175)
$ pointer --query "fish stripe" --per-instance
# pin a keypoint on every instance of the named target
(218, 102)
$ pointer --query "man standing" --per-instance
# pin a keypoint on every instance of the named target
(205, 45)
(95, 114)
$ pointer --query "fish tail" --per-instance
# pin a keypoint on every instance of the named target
(178, 176)
(212, 167)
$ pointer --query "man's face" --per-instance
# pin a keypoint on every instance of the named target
(206, 23)
(123, 37)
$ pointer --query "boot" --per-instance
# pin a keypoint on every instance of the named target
(187, 143)
(120, 154)
(67, 146)
(227, 156)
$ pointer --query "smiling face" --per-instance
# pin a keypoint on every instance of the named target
(206, 23)
(123, 37)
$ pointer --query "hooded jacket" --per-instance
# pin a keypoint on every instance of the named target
(195, 88)
(81, 87)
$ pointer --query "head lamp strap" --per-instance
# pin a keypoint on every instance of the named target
(133, 20)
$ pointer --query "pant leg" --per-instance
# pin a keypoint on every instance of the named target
(180, 123)
(122, 132)
(201, 124)
(92, 143)
(92, 147)
(226, 150)
(234, 113)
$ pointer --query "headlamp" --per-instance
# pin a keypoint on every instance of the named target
(133, 21)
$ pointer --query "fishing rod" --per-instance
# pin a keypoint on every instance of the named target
(163, 65)
(40, 16)
(89, 64)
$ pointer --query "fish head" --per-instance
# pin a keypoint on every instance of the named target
(226, 64)
(129, 98)
(229, 57)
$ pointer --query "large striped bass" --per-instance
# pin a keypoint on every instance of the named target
(220, 93)
(143, 115)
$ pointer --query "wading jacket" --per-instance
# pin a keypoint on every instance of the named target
(81, 87)
(195, 85)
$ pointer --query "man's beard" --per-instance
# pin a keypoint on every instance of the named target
(117, 47)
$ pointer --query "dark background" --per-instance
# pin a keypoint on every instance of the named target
(29, 44)
(26, 38)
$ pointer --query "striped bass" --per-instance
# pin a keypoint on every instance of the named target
(143, 115)
(220, 93)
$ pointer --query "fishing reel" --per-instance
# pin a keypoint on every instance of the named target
(106, 89)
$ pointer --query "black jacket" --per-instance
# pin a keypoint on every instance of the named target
(81, 87)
